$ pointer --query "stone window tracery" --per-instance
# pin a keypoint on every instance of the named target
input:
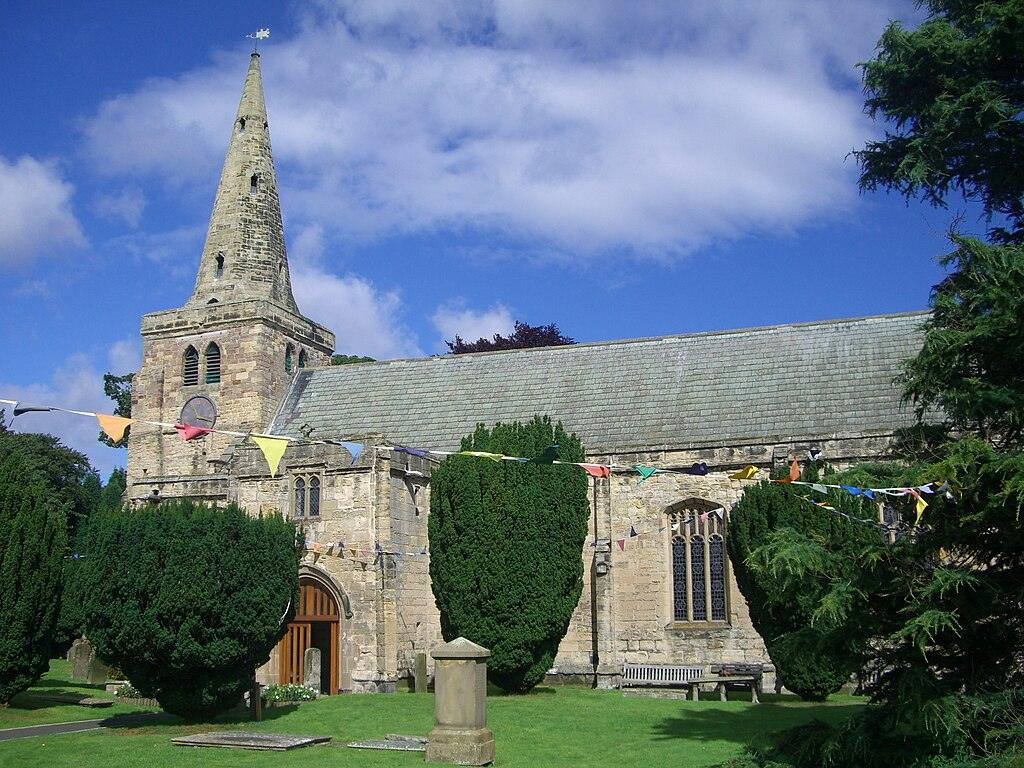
(306, 496)
(699, 563)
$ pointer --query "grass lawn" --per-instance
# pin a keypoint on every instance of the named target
(561, 726)
(30, 708)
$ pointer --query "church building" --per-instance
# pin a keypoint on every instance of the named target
(239, 355)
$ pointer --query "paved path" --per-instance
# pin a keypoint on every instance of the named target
(52, 729)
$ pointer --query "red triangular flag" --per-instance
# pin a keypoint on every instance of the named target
(190, 432)
(622, 544)
(596, 470)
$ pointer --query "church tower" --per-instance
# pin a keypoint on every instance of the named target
(226, 357)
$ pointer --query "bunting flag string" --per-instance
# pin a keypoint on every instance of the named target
(275, 445)
(878, 525)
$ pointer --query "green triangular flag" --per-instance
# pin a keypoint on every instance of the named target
(548, 456)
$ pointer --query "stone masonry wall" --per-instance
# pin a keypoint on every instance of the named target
(252, 340)
(346, 522)
(418, 627)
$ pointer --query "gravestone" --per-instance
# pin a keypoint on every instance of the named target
(81, 657)
(277, 742)
(97, 672)
(421, 673)
(460, 734)
(311, 669)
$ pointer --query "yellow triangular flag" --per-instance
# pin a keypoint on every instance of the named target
(113, 426)
(481, 454)
(744, 474)
(919, 506)
(273, 450)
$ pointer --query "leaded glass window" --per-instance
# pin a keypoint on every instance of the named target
(699, 596)
(699, 562)
(680, 602)
(716, 561)
(314, 497)
(300, 497)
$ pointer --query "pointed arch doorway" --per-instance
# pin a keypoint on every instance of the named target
(317, 624)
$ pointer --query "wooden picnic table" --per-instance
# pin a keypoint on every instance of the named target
(721, 681)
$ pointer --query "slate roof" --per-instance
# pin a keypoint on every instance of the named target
(783, 382)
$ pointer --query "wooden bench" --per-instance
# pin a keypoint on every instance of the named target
(658, 675)
(724, 677)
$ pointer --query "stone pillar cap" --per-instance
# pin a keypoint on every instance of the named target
(460, 648)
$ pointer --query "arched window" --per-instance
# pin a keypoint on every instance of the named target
(314, 497)
(220, 265)
(303, 359)
(699, 578)
(190, 367)
(300, 497)
(241, 124)
(289, 354)
(254, 184)
(212, 364)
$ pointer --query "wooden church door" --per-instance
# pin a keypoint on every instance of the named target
(316, 624)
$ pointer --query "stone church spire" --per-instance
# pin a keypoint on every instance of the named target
(244, 255)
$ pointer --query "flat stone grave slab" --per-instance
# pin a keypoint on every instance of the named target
(393, 741)
(82, 701)
(278, 742)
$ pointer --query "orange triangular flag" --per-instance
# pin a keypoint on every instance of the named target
(113, 426)
(794, 473)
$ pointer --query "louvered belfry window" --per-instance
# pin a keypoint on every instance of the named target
(289, 351)
(190, 367)
(698, 561)
(303, 358)
(212, 364)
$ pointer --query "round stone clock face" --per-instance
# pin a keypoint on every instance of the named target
(199, 411)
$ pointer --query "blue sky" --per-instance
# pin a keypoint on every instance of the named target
(621, 169)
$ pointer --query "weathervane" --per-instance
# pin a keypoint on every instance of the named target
(259, 34)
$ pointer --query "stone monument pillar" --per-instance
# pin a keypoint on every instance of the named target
(311, 669)
(420, 684)
(460, 734)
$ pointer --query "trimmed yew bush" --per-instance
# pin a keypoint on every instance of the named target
(505, 547)
(188, 600)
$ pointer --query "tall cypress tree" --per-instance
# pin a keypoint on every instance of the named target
(32, 547)
(505, 547)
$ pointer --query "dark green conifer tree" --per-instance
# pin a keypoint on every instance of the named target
(505, 547)
(32, 548)
(188, 600)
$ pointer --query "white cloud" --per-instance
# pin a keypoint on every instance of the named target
(36, 217)
(125, 356)
(74, 384)
(455, 319)
(124, 205)
(653, 127)
(365, 319)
